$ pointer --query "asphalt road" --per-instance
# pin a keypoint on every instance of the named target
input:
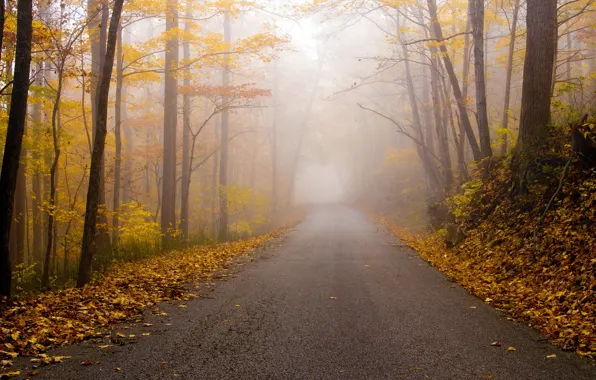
(338, 299)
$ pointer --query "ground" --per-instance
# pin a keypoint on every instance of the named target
(338, 298)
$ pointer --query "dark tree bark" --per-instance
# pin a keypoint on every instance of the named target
(477, 18)
(89, 243)
(14, 137)
(225, 125)
(2, 18)
(463, 112)
(507, 101)
(168, 202)
(541, 45)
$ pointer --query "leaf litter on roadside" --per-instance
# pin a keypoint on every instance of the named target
(32, 325)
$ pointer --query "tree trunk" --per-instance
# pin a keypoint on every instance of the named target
(88, 246)
(461, 101)
(467, 53)
(225, 125)
(185, 183)
(118, 137)
(479, 70)
(428, 165)
(274, 148)
(168, 193)
(536, 90)
(440, 123)
(36, 181)
(20, 212)
(14, 137)
(214, 183)
(98, 18)
(45, 279)
(507, 101)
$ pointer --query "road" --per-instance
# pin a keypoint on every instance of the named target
(338, 299)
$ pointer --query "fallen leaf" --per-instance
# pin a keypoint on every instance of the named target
(147, 324)
(333, 298)
(511, 348)
(104, 346)
(552, 356)
(496, 344)
(9, 374)
(472, 307)
(86, 362)
(5, 363)
(117, 369)
(147, 334)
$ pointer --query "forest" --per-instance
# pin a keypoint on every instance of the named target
(148, 143)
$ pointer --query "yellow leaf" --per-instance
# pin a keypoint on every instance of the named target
(552, 356)
(511, 348)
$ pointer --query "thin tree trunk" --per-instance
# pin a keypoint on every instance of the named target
(461, 101)
(88, 246)
(417, 125)
(214, 183)
(274, 148)
(507, 101)
(467, 52)
(14, 137)
(440, 122)
(118, 137)
(47, 268)
(168, 193)
(479, 70)
(185, 183)
(37, 214)
(225, 125)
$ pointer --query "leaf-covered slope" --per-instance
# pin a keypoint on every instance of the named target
(542, 273)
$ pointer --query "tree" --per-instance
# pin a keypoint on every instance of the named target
(541, 45)
(14, 137)
(89, 242)
(463, 112)
(477, 8)
(507, 101)
(168, 203)
(225, 133)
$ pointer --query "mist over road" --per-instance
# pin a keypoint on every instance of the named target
(339, 299)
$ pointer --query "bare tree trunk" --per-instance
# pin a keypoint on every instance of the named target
(463, 112)
(185, 183)
(45, 279)
(118, 137)
(225, 121)
(440, 122)
(507, 101)
(214, 183)
(168, 193)
(14, 137)
(274, 148)
(479, 70)
(417, 125)
(20, 212)
(467, 53)
(88, 246)
(37, 214)
(536, 90)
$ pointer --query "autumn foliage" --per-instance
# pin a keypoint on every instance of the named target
(32, 325)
